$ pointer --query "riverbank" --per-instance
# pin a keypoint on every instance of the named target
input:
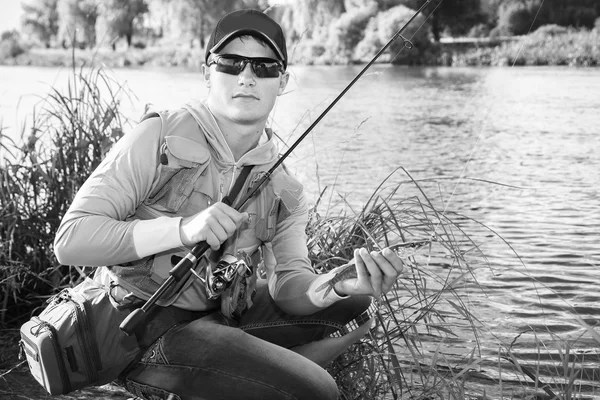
(535, 131)
(548, 46)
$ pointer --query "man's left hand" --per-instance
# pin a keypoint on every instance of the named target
(376, 271)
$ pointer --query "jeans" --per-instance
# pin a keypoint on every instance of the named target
(211, 358)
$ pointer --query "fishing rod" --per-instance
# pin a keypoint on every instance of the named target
(186, 264)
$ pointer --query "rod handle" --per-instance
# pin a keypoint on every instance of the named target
(132, 321)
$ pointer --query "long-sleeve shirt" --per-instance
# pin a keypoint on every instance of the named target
(100, 228)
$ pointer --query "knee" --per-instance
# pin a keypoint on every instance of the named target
(361, 304)
(358, 333)
(351, 308)
(321, 387)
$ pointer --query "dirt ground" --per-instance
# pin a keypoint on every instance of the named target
(17, 383)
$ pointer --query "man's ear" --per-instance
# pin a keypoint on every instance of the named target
(283, 83)
(206, 74)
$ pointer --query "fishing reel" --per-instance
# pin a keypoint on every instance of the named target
(221, 277)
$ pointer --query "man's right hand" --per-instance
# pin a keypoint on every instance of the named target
(214, 225)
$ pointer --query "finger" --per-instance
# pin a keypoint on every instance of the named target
(236, 216)
(227, 225)
(384, 264)
(213, 241)
(374, 271)
(389, 273)
(362, 275)
(216, 228)
(223, 218)
(394, 260)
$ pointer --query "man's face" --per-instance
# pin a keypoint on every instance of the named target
(244, 98)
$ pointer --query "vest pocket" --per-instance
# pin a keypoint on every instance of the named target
(265, 226)
(175, 181)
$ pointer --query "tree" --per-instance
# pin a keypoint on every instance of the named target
(347, 31)
(311, 18)
(198, 17)
(40, 20)
(577, 13)
(77, 20)
(390, 21)
(120, 16)
(456, 17)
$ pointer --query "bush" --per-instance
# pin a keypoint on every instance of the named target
(573, 48)
(550, 30)
(10, 49)
(10, 45)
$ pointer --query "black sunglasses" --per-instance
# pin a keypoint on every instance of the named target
(233, 64)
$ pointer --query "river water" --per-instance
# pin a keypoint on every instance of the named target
(515, 149)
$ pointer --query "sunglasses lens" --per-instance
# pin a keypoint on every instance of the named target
(265, 69)
(230, 66)
(234, 65)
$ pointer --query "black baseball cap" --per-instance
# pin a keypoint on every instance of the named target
(247, 22)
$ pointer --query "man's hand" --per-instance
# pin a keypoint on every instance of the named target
(376, 273)
(214, 225)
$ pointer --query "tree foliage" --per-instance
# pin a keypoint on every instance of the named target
(330, 31)
(10, 47)
(455, 17)
(576, 13)
(120, 16)
(310, 19)
(199, 16)
(40, 20)
(77, 21)
(348, 31)
(390, 21)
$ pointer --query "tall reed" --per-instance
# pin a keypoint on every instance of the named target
(423, 302)
(426, 318)
(69, 134)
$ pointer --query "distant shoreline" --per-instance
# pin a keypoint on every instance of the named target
(573, 48)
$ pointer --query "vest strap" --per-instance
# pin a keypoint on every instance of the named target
(237, 186)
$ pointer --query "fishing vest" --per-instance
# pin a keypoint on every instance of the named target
(187, 180)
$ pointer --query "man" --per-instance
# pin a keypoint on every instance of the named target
(158, 193)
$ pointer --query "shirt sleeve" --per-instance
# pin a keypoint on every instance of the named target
(97, 229)
(293, 281)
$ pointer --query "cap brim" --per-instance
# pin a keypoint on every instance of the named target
(252, 32)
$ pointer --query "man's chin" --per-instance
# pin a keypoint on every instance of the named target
(248, 117)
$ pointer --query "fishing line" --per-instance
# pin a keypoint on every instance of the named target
(406, 44)
(487, 113)
(463, 172)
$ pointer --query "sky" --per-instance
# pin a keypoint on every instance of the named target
(10, 14)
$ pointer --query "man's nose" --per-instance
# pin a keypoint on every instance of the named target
(247, 77)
